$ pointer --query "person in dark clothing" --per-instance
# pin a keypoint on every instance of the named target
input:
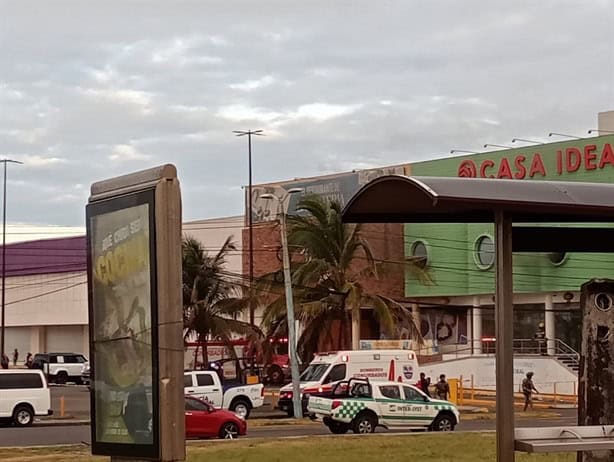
(4, 361)
(15, 357)
(528, 388)
(423, 384)
(443, 388)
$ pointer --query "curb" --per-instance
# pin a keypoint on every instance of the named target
(60, 423)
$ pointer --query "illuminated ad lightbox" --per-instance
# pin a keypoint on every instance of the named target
(122, 312)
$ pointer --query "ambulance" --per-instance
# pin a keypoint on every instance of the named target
(327, 369)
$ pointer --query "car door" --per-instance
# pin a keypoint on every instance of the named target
(196, 418)
(207, 390)
(391, 405)
(418, 411)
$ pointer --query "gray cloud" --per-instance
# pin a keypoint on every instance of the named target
(93, 90)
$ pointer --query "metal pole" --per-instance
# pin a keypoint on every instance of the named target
(504, 332)
(251, 235)
(296, 391)
(2, 352)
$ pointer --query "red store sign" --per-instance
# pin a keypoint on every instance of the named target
(569, 160)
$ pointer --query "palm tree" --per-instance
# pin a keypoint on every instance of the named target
(328, 281)
(211, 299)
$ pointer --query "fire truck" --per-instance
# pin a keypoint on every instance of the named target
(276, 370)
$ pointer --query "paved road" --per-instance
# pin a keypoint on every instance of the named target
(33, 436)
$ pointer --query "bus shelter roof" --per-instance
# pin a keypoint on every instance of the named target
(403, 199)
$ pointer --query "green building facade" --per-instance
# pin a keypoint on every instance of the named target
(456, 307)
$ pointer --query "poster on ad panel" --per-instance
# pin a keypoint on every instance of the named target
(121, 285)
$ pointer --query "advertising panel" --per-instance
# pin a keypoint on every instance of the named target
(122, 291)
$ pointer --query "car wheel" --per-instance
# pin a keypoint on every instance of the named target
(338, 428)
(23, 416)
(275, 375)
(443, 423)
(241, 408)
(229, 431)
(61, 377)
(364, 423)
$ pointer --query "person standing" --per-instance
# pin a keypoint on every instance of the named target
(528, 388)
(15, 357)
(423, 384)
(442, 388)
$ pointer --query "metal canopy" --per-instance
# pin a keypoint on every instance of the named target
(475, 200)
(401, 199)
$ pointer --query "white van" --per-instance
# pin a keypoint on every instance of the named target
(327, 369)
(23, 394)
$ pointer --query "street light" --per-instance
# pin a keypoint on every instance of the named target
(526, 141)
(3, 324)
(497, 146)
(292, 338)
(593, 130)
(249, 134)
(564, 135)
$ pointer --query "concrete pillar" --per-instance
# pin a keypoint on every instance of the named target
(37, 339)
(476, 326)
(549, 324)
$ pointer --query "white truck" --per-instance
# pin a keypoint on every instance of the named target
(360, 405)
(206, 385)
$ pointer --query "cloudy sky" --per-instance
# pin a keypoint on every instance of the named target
(90, 90)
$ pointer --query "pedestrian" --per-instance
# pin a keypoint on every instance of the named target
(443, 388)
(4, 361)
(540, 337)
(423, 384)
(15, 357)
(528, 388)
(29, 360)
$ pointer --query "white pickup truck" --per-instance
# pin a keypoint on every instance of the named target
(206, 385)
(360, 405)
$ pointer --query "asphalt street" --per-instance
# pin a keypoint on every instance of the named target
(38, 435)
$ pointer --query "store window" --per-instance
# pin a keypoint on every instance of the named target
(420, 252)
(484, 252)
(557, 258)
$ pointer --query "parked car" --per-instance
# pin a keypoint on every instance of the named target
(207, 386)
(85, 374)
(202, 420)
(60, 367)
(23, 395)
(361, 406)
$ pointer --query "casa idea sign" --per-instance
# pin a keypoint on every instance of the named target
(577, 159)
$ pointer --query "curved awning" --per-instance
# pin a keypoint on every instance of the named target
(403, 199)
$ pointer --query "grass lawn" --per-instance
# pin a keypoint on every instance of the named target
(457, 447)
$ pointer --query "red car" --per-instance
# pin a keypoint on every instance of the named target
(204, 421)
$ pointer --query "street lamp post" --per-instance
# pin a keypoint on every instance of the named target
(3, 323)
(249, 134)
(292, 338)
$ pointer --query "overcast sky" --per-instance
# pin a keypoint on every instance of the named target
(90, 90)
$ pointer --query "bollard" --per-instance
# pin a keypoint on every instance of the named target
(472, 389)
(61, 406)
(555, 397)
(453, 383)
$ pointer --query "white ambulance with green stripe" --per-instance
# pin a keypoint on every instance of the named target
(361, 406)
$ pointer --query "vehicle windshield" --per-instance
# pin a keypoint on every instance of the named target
(314, 372)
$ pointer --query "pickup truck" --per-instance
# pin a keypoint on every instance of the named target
(361, 406)
(207, 386)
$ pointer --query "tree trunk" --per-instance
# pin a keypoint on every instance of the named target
(204, 342)
(355, 327)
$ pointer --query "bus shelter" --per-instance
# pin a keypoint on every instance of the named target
(531, 205)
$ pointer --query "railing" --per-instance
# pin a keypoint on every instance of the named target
(561, 393)
(488, 346)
